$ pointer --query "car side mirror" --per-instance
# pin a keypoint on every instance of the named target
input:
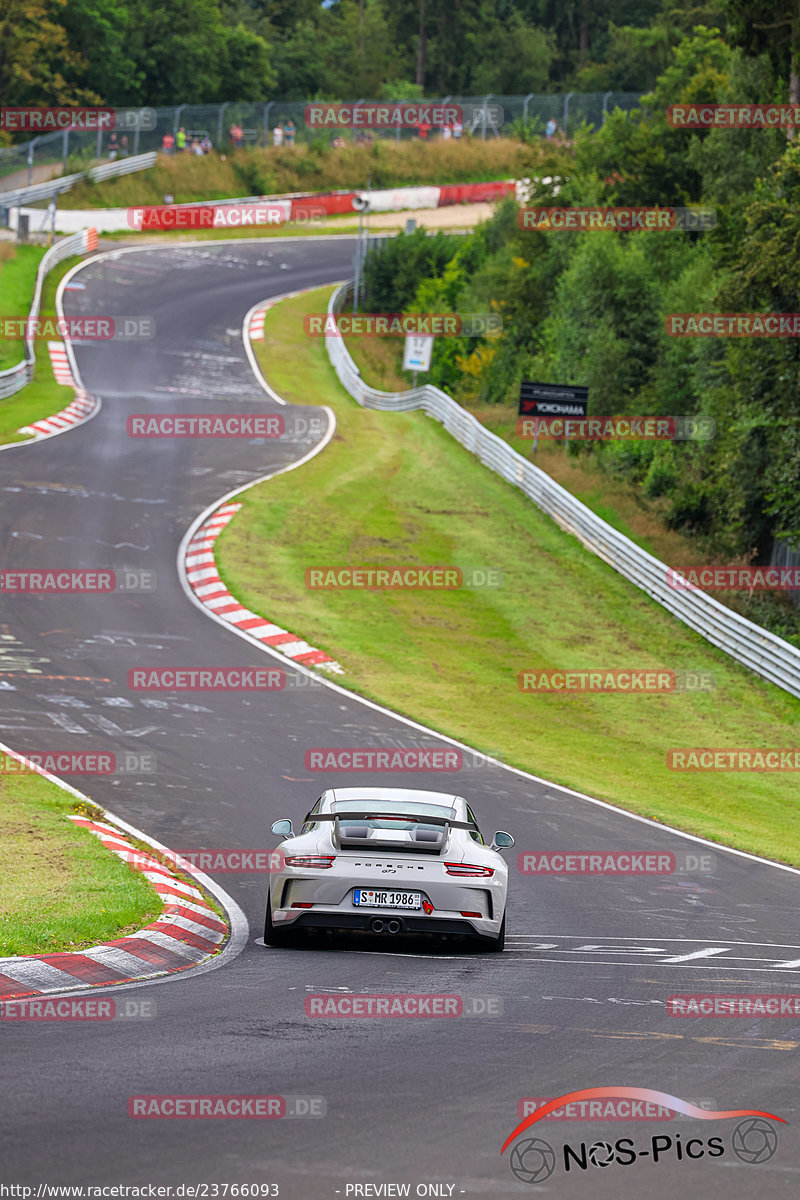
(501, 840)
(283, 829)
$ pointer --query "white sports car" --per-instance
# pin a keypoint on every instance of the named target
(388, 861)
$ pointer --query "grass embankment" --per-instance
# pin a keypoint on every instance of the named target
(315, 168)
(18, 266)
(60, 889)
(43, 396)
(396, 489)
(618, 502)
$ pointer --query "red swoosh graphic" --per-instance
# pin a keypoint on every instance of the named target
(635, 1093)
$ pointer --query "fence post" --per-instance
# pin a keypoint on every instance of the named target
(178, 112)
(485, 116)
(31, 144)
(220, 122)
(527, 101)
(267, 107)
(567, 98)
(605, 105)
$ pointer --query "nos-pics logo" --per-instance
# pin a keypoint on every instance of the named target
(533, 1160)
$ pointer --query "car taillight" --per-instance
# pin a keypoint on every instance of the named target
(465, 869)
(310, 860)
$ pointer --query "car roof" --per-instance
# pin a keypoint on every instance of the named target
(392, 795)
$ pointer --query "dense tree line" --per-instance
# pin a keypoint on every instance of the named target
(590, 307)
(160, 52)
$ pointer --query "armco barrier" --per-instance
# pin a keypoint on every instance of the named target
(14, 378)
(767, 655)
(54, 187)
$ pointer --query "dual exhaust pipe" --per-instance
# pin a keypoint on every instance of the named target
(381, 926)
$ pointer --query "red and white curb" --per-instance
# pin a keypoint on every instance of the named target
(188, 932)
(201, 572)
(81, 409)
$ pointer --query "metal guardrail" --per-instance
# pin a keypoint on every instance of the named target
(13, 379)
(54, 187)
(763, 652)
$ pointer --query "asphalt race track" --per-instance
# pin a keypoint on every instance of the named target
(578, 997)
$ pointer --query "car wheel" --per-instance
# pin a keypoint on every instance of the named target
(273, 936)
(498, 944)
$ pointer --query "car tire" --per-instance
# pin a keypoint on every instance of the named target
(496, 945)
(273, 936)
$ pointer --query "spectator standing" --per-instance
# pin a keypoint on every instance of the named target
(180, 139)
(123, 145)
(550, 128)
(277, 135)
(168, 143)
(289, 132)
(447, 133)
(423, 129)
(205, 144)
(458, 129)
(113, 145)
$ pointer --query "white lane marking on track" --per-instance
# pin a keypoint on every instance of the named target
(707, 953)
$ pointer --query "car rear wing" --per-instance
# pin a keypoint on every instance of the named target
(349, 832)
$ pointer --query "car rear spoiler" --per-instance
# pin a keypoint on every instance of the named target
(357, 837)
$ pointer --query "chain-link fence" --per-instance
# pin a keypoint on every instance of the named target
(482, 116)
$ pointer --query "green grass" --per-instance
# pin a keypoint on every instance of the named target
(18, 266)
(319, 168)
(60, 889)
(43, 396)
(395, 488)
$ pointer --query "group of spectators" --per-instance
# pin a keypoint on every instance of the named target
(181, 143)
(284, 134)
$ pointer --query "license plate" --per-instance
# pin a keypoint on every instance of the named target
(369, 898)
